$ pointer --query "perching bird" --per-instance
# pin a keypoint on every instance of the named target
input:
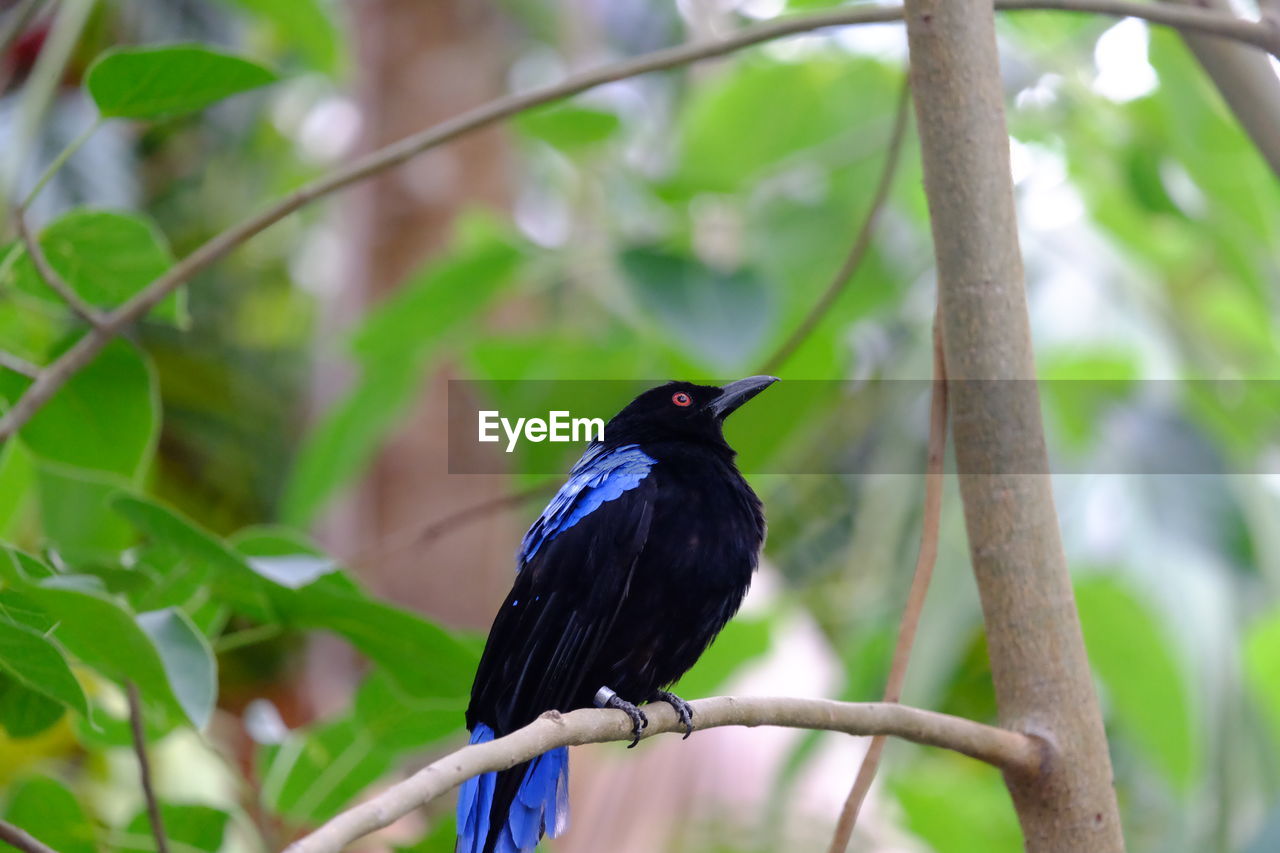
(623, 581)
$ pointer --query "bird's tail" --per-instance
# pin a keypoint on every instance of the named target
(508, 812)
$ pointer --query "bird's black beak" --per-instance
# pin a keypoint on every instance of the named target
(735, 394)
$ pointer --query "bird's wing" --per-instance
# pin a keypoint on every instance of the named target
(574, 576)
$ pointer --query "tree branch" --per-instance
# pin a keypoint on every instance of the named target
(1246, 81)
(17, 364)
(926, 558)
(1039, 666)
(50, 276)
(22, 839)
(1013, 752)
(57, 373)
(144, 768)
(861, 243)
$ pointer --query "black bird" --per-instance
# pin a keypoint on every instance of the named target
(624, 580)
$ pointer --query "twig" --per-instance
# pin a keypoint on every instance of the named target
(52, 378)
(144, 768)
(925, 561)
(1014, 752)
(50, 276)
(9, 361)
(22, 839)
(424, 536)
(860, 244)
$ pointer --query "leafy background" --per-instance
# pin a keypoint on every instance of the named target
(157, 515)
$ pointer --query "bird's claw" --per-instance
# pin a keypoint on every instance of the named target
(683, 710)
(606, 698)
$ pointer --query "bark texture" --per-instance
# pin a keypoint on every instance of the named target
(1041, 673)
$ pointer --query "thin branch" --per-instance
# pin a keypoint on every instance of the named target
(424, 536)
(861, 243)
(17, 364)
(926, 559)
(1015, 753)
(50, 276)
(144, 768)
(51, 379)
(22, 839)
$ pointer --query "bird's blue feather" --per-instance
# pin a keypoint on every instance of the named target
(475, 800)
(541, 803)
(601, 475)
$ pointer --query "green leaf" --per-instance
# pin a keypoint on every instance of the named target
(957, 805)
(106, 256)
(76, 515)
(188, 661)
(425, 661)
(1145, 692)
(105, 418)
(742, 640)
(720, 318)
(25, 712)
(304, 24)
(314, 774)
(102, 633)
(1262, 666)
(30, 658)
(568, 126)
(47, 810)
(393, 343)
(229, 574)
(200, 828)
(17, 476)
(158, 82)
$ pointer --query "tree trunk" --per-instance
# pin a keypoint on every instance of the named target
(1042, 679)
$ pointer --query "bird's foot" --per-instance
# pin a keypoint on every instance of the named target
(606, 698)
(683, 710)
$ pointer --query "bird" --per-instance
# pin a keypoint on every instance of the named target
(623, 581)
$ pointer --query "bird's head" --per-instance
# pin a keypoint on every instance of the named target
(682, 411)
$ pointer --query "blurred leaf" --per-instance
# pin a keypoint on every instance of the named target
(717, 317)
(188, 661)
(105, 418)
(392, 343)
(304, 24)
(743, 640)
(25, 712)
(957, 805)
(102, 632)
(398, 722)
(441, 837)
(158, 82)
(76, 514)
(1262, 665)
(106, 256)
(228, 572)
(17, 475)
(47, 810)
(201, 828)
(1145, 691)
(424, 660)
(314, 774)
(569, 126)
(30, 658)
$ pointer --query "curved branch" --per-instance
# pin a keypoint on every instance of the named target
(1014, 753)
(50, 276)
(861, 243)
(57, 373)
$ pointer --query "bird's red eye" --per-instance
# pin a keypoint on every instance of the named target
(681, 399)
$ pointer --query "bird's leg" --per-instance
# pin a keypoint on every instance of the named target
(683, 710)
(606, 698)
